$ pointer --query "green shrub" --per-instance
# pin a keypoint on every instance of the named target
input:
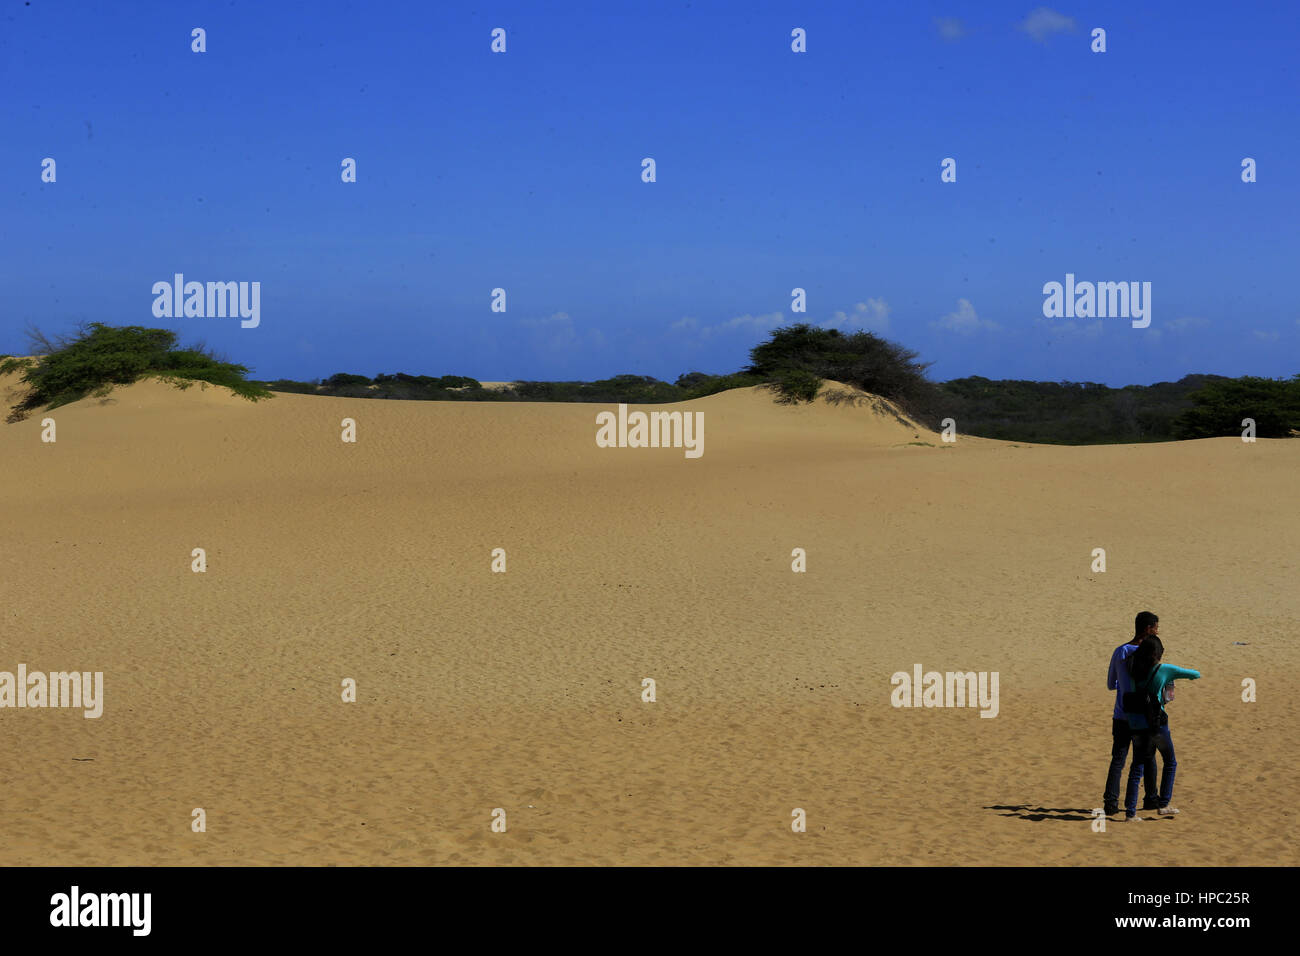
(712, 384)
(796, 385)
(339, 379)
(1071, 413)
(1219, 407)
(458, 381)
(631, 389)
(289, 385)
(9, 363)
(862, 359)
(100, 357)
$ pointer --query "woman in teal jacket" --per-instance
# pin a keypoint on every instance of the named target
(1145, 671)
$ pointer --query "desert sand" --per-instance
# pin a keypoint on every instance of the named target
(522, 690)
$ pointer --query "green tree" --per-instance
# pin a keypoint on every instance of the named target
(1219, 408)
(862, 359)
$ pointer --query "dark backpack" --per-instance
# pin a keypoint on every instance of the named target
(1142, 700)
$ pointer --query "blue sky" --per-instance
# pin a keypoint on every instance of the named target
(775, 170)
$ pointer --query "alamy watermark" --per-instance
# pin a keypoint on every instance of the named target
(213, 300)
(80, 689)
(653, 430)
(952, 689)
(1100, 300)
(75, 908)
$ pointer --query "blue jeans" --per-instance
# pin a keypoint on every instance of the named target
(1145, 745)
(1121, 736)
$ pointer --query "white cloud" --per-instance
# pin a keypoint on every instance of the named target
(748, 323)
(1042, 22)
(1090, 331)
(755, 323)
(556, 332)
(1266, 336)
(965, 320)
(555, 318)
(1184, 323)
(950, 28)
(872, 315)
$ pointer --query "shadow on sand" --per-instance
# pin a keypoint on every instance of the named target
(1027, 812)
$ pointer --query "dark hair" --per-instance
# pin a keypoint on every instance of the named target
(1144, 620)
(1146, 658)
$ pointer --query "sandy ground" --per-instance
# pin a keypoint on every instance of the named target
(522, 690)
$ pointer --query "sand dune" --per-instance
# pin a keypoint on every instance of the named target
(522, 690)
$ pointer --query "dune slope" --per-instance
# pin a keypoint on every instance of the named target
(522, 690)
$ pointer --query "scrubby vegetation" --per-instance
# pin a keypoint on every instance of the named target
(797, 356)
(10, 363)
(1086, 413)
(795, 360)
(1075, 413)
(698, 384)
(632, 389)
(398, 385)
(794, 385)
(1221, 405)
(99, 357)
(793, 363)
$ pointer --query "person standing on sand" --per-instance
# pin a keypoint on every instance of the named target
(1145, 625)
(1146, 672)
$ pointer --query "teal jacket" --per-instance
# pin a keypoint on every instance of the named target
(1165, 674)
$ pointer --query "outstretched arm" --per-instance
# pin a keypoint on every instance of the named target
(1182, 673)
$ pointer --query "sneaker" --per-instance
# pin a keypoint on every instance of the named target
(1110, 811)
(1133, 819)
(1151, 803)
(1166, 811)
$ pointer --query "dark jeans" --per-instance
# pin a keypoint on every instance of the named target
(1121, 736)
(1146, 743)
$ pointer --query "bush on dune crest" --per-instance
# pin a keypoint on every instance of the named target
(99, 357)
(13, 363)
(795, 385)
(796, 355)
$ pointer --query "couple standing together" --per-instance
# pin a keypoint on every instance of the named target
(1142, 684)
